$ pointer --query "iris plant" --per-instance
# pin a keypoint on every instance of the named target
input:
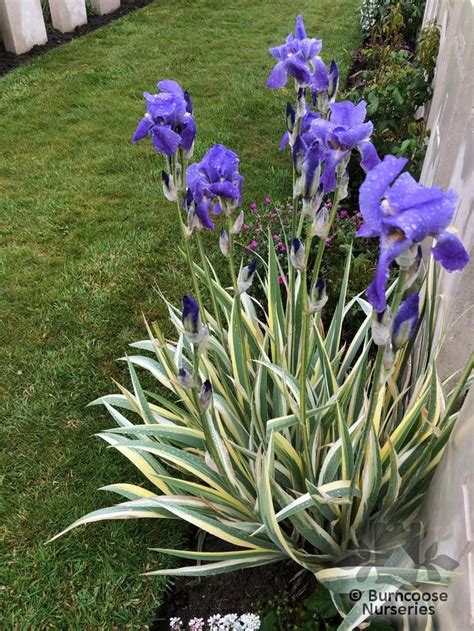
(294, 440)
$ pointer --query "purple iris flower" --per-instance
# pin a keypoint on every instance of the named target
(405, 321)
(215, 183)
(169, 119)
(298, 57)
(343, 131)
(402, 212)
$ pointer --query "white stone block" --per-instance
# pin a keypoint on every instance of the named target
(22, 25)
(105, 6)
(66, 15)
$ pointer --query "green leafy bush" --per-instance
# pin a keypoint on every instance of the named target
(396, 83)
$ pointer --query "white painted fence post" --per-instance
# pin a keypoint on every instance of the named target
(66, 15)
(22, 25)
(105, 6)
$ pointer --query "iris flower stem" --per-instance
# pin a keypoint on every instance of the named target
(200, 412)
(187, 250)
(303, 361)
(374, 395)
(322, 242)
(207, 273)
(292, 274)
(240, 322)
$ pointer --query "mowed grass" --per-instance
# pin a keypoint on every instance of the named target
(85, 235)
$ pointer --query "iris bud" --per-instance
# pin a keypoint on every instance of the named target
(191, 319)
(312, 206)
(298, 152)
(169, 188)
(322, 101)
(405, 321)
(224, 242)
(320, 225)
(205, 395)
(301, 109)
(189, 103)
(185, 378)
(343, 185)
(318, 296)
(311, 171)
(381, 326)
(245, 278)
(297, 255)
(333, 80)
(290, 117)
(193, 222)
(239, 222)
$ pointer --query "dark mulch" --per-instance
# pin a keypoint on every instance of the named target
(9, 61)
(237, 592)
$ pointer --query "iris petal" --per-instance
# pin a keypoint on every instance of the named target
(143, 129)
(347, 114)
(450, 252)
(277, 77)
(165, 140)
(390, 249)
(300, 31)
(285, 139)
(168, 85)
(298, 69)
(412, 223)
(320, 76)
(370, 157)
(374, 187)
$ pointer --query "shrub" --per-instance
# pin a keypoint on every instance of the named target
(396, 83)
(275, 435)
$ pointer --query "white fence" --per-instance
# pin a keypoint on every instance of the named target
(22, 22)
(449, 507)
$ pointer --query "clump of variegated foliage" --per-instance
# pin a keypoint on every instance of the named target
(278, 435)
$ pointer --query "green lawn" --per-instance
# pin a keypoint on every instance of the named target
(85, 234)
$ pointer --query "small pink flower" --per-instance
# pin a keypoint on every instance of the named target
(245, 227)
(253, 207)
(281, 280)
(328, 240)
(343, 214)
(274, 215)
(266, 200)
(275, 237)
(253, 245)
(281, 246)
(329, 204)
